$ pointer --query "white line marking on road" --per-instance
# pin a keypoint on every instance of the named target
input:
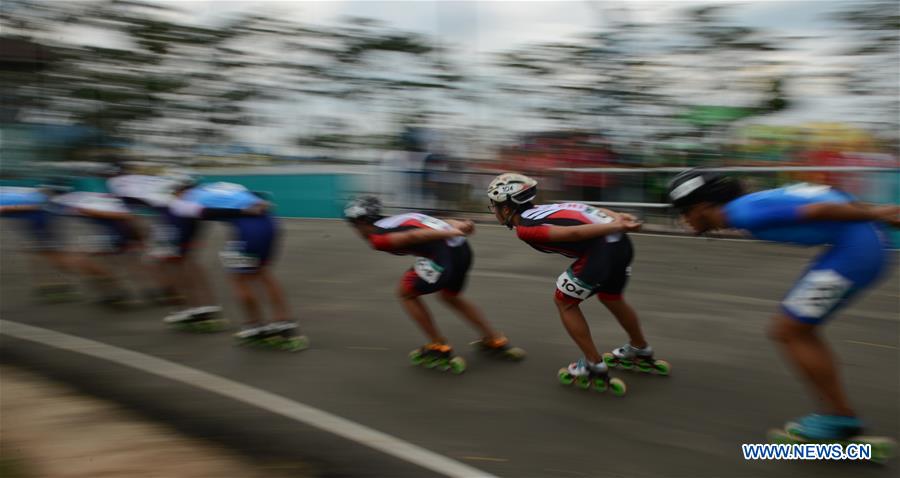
(884, 346)
(244, 393)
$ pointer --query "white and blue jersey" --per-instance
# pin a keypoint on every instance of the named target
(855, 259)
(152, 192)
(172, 236)
(16, 196)
(255, 235)
(27, 205)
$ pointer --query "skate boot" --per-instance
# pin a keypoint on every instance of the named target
(207, 318)
(824, 427)
(499, 347)
(438, 356)
(591, 376)
(815, 428)
(249, 334)
(629, 357)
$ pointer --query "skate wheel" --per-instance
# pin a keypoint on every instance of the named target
(430, 362)
(442, 364)
(600, 385)
(617, 387)
(645, 367)
(457, 365)
(626, 364)
(609, 359)
(565, 377)
(416, 357)
(515, 353)
(583, 383)
(883, 449)
(662, 367)
(296, 344)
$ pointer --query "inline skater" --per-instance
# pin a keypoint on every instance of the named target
(247, 257)
(597, 238)
(443, 259)
(855, 258)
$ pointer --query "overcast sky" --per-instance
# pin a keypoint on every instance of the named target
(473, 30)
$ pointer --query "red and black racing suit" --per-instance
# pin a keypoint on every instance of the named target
(602, 264)
(441, 265)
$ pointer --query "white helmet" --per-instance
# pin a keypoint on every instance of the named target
(518, 188)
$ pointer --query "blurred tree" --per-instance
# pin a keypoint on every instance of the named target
(155, 79)
(873, 69)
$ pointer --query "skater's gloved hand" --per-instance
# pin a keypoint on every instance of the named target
(628, 224)
(466, 226)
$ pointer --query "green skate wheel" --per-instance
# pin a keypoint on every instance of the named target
(610, 359)
(457, 365)
(626, 364)
(431, 362)
(883, 449)
(600, 385)
(565, 377)
(416, 357)
(617, 387)
(443, 365)
(272, 341)
(644, 367)
(295, 344)
(662, 367)
(583, 383)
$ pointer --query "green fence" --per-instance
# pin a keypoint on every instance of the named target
(295, 195)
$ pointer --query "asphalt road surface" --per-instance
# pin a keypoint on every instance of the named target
(704, 305)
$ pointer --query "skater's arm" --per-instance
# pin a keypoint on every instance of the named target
(589, 231)
(100, 214)
(400, 240)
(851, 212)
(20, 208)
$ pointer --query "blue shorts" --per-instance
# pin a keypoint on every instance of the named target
(39, 227)
(254, 245)
(855, 262)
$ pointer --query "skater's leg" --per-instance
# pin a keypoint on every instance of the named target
(417, 310)
(627, 318)
(280, 309)
(243, 284)
(814, 359)
(577, 327)
(470, 312)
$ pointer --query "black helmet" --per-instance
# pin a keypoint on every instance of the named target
(695, 186)
(363, 209)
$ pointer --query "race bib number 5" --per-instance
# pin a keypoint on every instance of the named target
(428, 270)
(573, 287)
(817, 293)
